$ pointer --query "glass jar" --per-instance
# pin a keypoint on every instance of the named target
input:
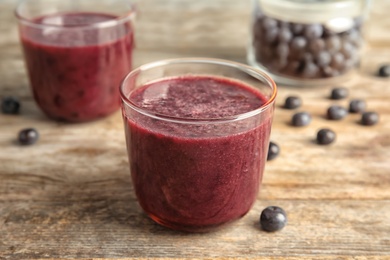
(306, 42)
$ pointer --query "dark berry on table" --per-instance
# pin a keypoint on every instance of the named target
(273, 218)
(10, 105)
(357, 106)
(384, 71)
(292, 102)
(28, 136)
(370, 118)
(336, 112)
(301, 119)
(273, 151)
(325, 136)
(339, 93)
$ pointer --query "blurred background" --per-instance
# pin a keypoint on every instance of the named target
(177, 28)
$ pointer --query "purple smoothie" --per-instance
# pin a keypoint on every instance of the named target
(75, 70)
(195, 177)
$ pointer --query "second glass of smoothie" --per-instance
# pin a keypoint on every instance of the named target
(76, 54)
(197, 133)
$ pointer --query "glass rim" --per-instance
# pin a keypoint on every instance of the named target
(128, 16)
(254, 72)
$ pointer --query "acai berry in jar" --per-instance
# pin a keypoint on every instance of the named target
(306, 42)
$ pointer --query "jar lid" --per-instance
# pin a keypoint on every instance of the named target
(312, 11)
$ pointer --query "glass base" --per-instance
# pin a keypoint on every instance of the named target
(192, 228)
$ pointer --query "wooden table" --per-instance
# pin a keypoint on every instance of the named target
(70, 195)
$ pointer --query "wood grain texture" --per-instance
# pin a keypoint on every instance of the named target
(70, 195)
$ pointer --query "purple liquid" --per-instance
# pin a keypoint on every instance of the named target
(75, 72)
(197, 177)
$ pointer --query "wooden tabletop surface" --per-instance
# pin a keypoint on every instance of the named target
(70, 195)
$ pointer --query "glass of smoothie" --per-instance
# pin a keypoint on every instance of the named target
(197, 133)
(76, 54)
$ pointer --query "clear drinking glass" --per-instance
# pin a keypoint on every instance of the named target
(197, 133)
(76, 54)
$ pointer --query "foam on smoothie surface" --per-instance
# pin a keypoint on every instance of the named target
(197, 97)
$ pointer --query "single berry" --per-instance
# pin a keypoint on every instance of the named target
(273, 151)
(339, 93)
(337, 61)
(297, 28)
(10, 105)
(292, 102)
(348, 50)
(28, 136)
(310, 70)
(357, 106)
(384, 71)
(271, 34)
(333, 43)
(301, 119)
(298, 43)
(269, 23)
(285, 35)
(273, 218)
(326, 136)
(370, 118)
(336, 112)
(323, 59)
(316, 46)
(282, 49)
(313, 31)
